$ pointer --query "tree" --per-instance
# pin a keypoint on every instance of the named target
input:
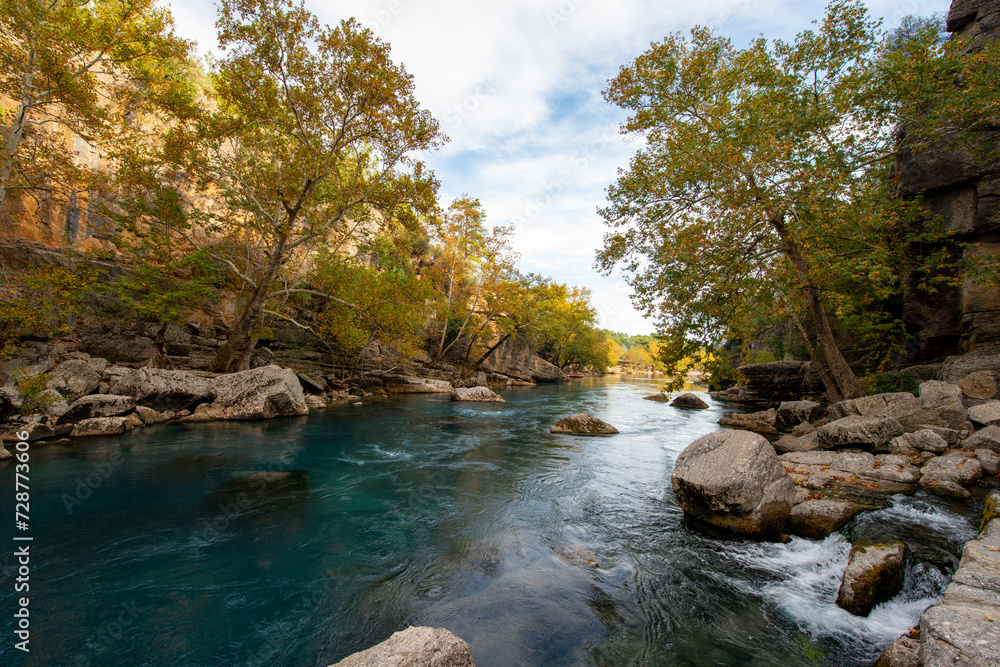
(310, 147)
(88, 66)
(765, 182)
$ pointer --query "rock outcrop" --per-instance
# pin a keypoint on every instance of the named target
(872, 433)
(734, 480)
(779, 381)
(410, 384)
(874, 575)
(583, 424)
(74, 378)
(97, 405)
(414, 647)
(819, 518)
(517, 360)
(476, 394)
(161, 389)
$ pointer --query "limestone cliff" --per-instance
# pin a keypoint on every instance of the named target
(960, 181)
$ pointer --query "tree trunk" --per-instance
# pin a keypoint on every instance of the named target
(16, 134)
(490, 351)
(242, 332)
(832, 392)
(843, 376)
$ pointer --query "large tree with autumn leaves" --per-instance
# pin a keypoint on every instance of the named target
(764, 185)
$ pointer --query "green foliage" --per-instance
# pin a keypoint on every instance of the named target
(42, 303)
(32, 388)
(764, 186)
(891, 382)
(167, 292)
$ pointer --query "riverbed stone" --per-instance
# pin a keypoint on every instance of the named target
(583, 424)
(819, 518)
(149, 416)
(854, 431)
(476, 394)
(74, 378)
(874, 575)
(99, 426)
(793, 413)
(160, 389)
(989, 460)
(981, 385)
(658, 397)
(987, 414)
(689, 400)
(791, 443)
(904, 652)
(943, 406)
(734, 480)
(988, 438)
(948, 475)
(97, 405)
(924, 440)
(259, 393)
(410, 384)
(261, 487)
(414, 647)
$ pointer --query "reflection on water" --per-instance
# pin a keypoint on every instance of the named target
(537, 549)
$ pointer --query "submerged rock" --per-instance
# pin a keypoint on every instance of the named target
(476, 394)
(874, 575)
(659, 398)
(414, 647)
(689, 400)
(734, 480)
(583, 424)
(258, 488)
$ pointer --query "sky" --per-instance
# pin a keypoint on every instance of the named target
(516, 86)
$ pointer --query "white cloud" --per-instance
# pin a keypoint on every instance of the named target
(517, 87)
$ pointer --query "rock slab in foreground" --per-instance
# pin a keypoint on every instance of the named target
(583, 424)
(414, 647)
(476, 394)
(874, 575)
(734, 480)
(689, 400)
(260, 393)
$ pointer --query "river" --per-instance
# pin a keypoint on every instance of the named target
(537, 549)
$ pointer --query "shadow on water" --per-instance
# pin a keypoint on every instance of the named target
(537, 549)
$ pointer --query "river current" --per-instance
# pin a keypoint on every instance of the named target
(535, 548)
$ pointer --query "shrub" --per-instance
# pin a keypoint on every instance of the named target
(32, 388)
(886, 383)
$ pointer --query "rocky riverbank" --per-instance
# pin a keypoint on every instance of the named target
(808, 470)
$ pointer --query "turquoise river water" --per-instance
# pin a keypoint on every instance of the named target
(536, 549)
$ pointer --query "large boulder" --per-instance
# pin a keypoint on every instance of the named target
(874, 575)
(948, 475)
(659, 398)
(689, 400)
(410, 384)
(74, 378)
(924, 440)
(793, 413)
(797, 443)
(11, 401)
(943, 405)
(902, 406)
(99, 426)
(161, 389)
(583, 424)
(819, 518)
(259, 393)
(476, 394)
(866, 432)
(414, 647)
(987, 414)
(734, 480)
(981, 385)
(956, 368)
(97, 405)
(987, 438)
